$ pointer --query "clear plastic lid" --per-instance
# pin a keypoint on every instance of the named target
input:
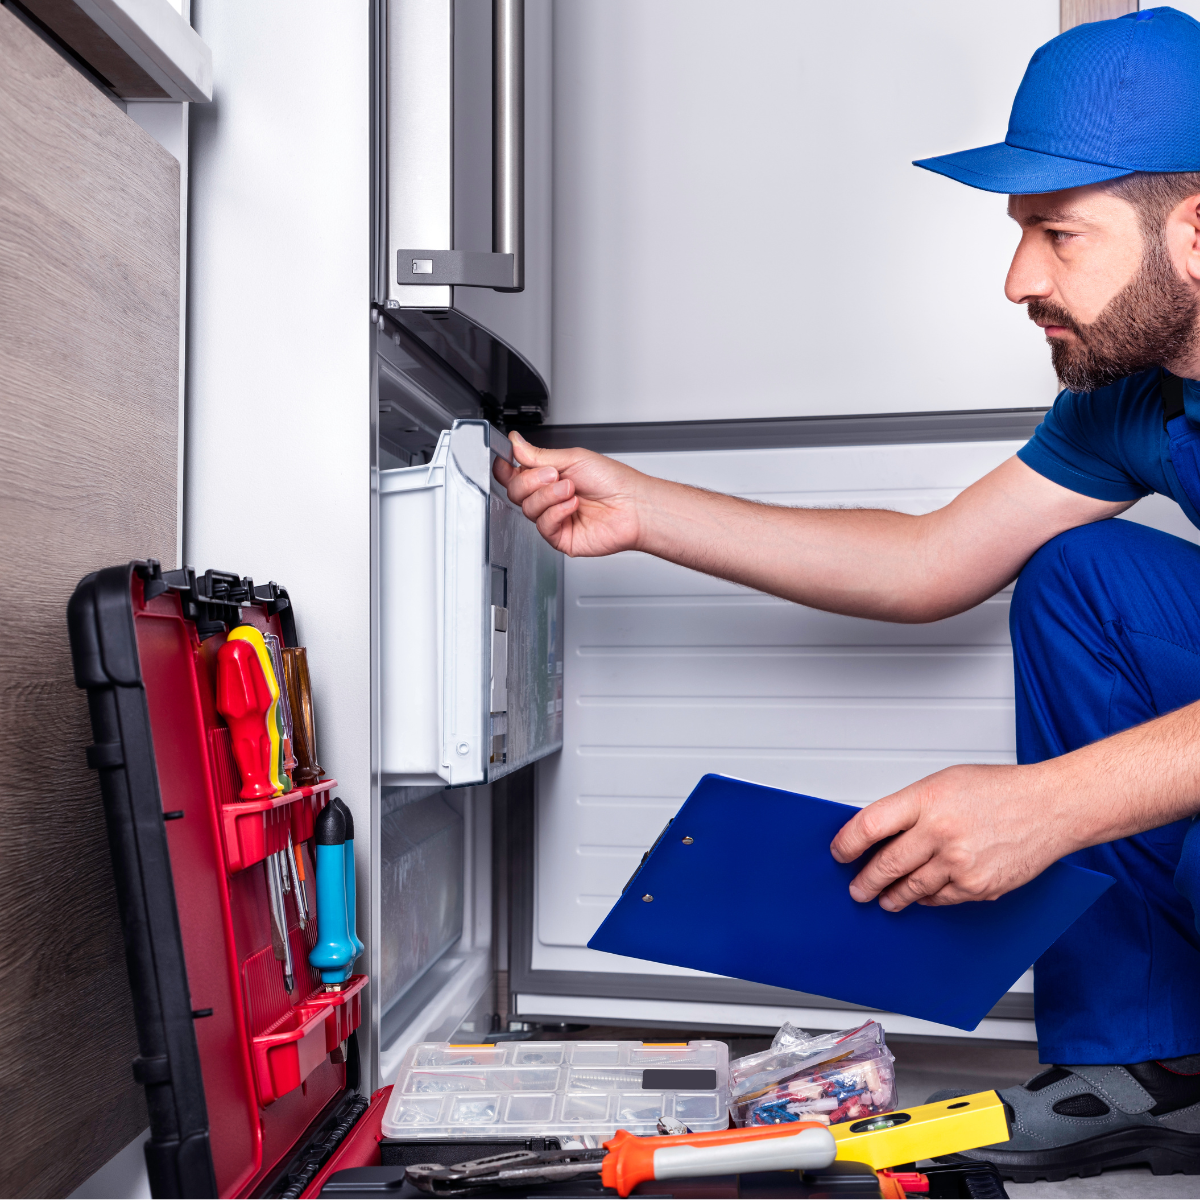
(578, 1089)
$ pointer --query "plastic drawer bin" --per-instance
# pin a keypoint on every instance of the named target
(532, 1089)
(471, 620)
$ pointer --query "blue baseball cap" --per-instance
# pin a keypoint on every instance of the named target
(1097, 102)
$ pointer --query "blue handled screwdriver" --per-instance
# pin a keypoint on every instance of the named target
(351, 909)
(334, 951)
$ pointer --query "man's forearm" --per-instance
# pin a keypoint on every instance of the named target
(865, 562)
(1135, 780)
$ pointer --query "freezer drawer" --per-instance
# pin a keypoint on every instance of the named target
(471, 621)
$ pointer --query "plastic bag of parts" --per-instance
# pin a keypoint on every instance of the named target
(828, 1077)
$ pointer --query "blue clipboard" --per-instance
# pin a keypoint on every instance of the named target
(743, 885)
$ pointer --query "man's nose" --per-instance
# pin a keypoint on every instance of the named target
(1027, 278)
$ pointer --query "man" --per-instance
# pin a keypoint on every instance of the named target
(1102, 167)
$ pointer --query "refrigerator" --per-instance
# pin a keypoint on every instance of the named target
(469, 636)
(658, 216)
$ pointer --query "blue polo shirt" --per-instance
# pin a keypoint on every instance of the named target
(1110, 443)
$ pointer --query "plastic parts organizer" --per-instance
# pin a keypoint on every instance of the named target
(531, 1089)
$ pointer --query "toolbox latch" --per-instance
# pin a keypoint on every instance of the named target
(104, 755)
(156, 1069)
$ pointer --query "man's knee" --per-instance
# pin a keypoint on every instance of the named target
(1076, 563)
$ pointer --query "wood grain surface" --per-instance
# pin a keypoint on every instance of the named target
(108, 60)
(89, 386)
(1083, 12)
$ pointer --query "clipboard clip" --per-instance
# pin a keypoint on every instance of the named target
(642, 862)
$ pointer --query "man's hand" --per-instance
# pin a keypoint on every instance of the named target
(966, 833)
(976, 832)
(582, 503)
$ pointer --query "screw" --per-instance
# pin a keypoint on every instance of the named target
(647, 897)
(687, 841)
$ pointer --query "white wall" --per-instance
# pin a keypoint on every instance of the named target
(278, 412)
(1191, 7)
(738, 231)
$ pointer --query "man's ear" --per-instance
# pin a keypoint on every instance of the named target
(1183, 236)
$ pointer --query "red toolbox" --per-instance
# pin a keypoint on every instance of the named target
(251, 1090)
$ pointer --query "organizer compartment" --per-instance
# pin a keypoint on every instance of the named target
(255, 828)
(286, 1053)
(531, 1089)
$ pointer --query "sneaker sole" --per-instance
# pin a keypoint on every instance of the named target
(1164, 1151)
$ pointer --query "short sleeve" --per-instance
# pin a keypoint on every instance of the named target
(1076, 446)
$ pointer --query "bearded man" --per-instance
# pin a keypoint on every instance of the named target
(1102, 166)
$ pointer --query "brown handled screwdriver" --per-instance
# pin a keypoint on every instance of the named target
(304, 733)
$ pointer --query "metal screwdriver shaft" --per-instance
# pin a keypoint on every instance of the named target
(279, 918)
(293, 858)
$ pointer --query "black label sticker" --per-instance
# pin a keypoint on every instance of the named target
(679, 1080)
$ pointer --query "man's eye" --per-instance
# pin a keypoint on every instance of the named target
(1059, 235)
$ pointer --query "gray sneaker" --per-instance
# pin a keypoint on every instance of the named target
(1079, 1120)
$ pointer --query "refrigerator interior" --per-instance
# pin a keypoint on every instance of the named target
(672, 674)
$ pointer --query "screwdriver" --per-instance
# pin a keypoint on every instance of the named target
(279, 929)
(284, 881)
(334, 951)
(285, 877)
(288, 758)
(304, 735)
(246, 700)
(254, 638)
(296, 869)
(351, 909)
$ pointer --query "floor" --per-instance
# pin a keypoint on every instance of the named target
(924, 1066)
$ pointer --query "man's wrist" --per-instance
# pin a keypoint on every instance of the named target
(649, 504)
(1070, 821)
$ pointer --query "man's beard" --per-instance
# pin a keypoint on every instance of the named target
(1149, 323)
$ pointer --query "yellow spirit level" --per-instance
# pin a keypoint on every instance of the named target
(929, 1130)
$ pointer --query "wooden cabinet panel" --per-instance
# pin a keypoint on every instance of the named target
(89, 433)
(1083, 12)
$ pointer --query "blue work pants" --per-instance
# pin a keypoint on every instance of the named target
(1105, 627)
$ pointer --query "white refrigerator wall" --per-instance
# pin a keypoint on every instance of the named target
(278, 475)
(738, 231)
(671, 674)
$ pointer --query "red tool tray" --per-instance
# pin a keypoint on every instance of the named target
(251, 1091)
